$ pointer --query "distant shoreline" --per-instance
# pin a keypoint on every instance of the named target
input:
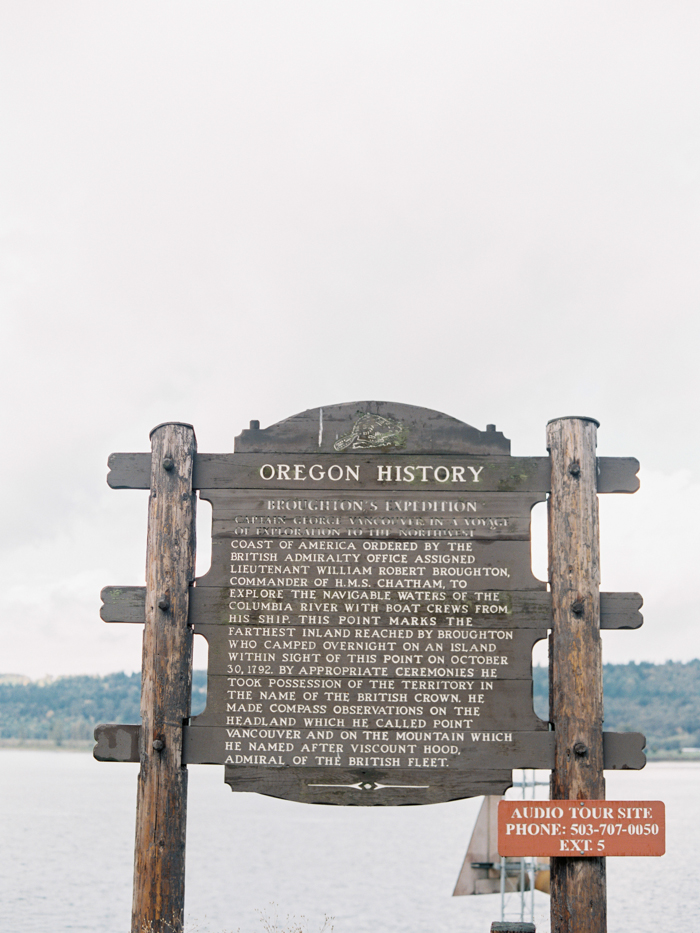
(37, 745)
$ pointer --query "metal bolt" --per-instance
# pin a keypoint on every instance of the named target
(159, 745)
(168, 464)
(580, 749)
(164, 604)
(575, 469)
(254, 425)
(577, 607)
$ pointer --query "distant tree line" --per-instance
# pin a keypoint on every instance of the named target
(69, 708)
(660, 700)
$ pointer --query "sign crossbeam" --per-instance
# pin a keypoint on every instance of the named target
(528, 610)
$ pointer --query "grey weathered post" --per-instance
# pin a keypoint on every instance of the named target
(161, 809)
(578, 902)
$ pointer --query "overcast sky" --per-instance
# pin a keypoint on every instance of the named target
(222, 211)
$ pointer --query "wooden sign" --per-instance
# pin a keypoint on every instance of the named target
(368, 563)
(371, 612)
(581, 828)
(370, 608)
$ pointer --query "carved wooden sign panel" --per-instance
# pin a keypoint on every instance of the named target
(369, 635)
(370, 608)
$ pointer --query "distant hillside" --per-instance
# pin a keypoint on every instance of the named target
(69, 708)
(660, 700)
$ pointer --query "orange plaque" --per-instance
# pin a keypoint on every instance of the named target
(581, 827)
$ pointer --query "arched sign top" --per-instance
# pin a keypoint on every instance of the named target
(370, 426)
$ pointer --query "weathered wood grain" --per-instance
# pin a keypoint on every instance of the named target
(369, 652)
(225, 605)
(242, 471)
(512, 926)
(617, 474)
(366, 787)
(207, 745)
(622, 751)
(395, 515)
(159, 865)
(209, 605)
(421, 431)
(220, 745)
(129, 471)
(123, 604)
(490, 706)
(330, 474)
(442, 565)
(578, 889)
(117, 742)
(620, 610)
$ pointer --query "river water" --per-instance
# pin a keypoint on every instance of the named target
(67, 853)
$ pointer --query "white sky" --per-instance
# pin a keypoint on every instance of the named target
(213, 212)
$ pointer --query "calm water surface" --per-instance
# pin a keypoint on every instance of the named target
(67, 853)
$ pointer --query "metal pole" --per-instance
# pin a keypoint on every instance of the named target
(533, 861)
(503, 888)
(166, 685)
(578, 901)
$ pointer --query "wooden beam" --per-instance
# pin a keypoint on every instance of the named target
(161, 809)
(578, 901)
(242, 471)
(530, 609)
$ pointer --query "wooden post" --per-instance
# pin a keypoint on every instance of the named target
(166, 685)
(578, 903)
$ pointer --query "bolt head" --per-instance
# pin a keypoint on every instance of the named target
(159, 745)
(168, 464)
(164, 604)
